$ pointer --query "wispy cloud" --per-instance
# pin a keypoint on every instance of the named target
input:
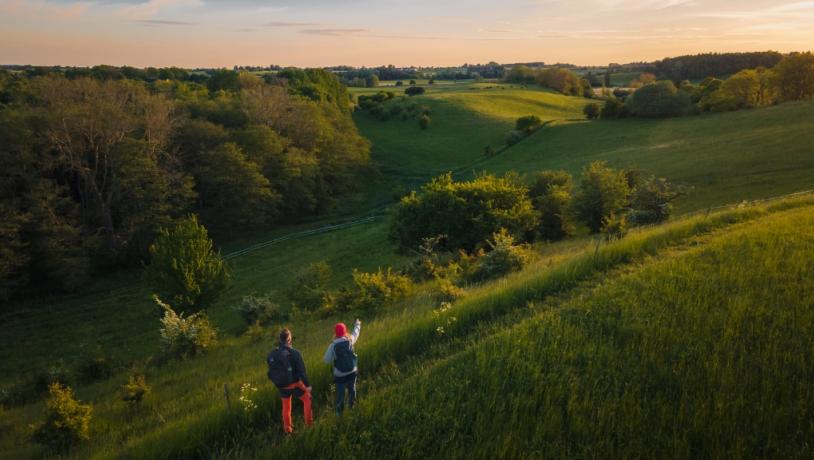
(291, 24)
(334, 32)
(164, 22)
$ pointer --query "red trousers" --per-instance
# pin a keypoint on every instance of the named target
(288, 426)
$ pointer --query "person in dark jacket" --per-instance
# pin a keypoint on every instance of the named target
(300, 386)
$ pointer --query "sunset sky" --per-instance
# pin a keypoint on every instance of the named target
(223, 33)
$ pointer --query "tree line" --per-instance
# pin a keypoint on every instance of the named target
(791, 79)
(556, 78)
(93, 167)
(698, 66)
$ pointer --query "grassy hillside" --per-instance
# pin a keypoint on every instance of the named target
(119, 317)
(726, 157)
(466, 118)
(705, 350)
(187, 416)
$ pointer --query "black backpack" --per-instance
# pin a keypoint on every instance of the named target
(344, 356)
(280, 371)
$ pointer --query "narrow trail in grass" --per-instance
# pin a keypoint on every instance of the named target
(221, 431)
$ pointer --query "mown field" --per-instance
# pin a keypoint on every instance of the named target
(726, 158)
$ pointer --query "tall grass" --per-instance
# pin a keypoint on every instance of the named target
(406, 338)
(707, 354)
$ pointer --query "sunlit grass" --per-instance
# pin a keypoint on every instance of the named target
(707, 352)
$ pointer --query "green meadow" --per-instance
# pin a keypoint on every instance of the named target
(703, 350)
(597, 342)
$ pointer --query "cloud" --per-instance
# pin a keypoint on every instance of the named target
(164, 23)
(334, 32)
(290, 24)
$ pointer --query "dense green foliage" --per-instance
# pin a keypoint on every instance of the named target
(660, 99)
(791, 79)
(528, 124)
(185, 270)
(93, 167)
(699, 66)
(371, 291)
(552, 196)
(465, 213)
(557, 78)
(601, 196)
(414, 90)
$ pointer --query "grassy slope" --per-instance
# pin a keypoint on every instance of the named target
(466, 118)
(120, 317)
(727, 157)
(707, 352)
(187, 418)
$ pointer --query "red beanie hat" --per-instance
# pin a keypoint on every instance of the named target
(340, 330)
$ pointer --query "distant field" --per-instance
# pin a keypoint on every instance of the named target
(466, 118)
(726, 157)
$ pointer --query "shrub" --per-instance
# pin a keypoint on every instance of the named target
(502, 258)
(426, 267)
(446, 291)
(591, 111)
(603, 192)
(185, 269)
(551, 193)
(136, 388)
(399, 83)
(67, 421)
(613, 108)
(651, 201)
(489, 151)
(514, 137)
(660, 99)
(466, 212)
(261, 309)
(372, 290)
(185, 337)
(414, 90)
(424, 121)
(614, 228)
(528, 124)
(310, 286)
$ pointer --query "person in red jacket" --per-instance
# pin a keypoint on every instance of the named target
(287, 371)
